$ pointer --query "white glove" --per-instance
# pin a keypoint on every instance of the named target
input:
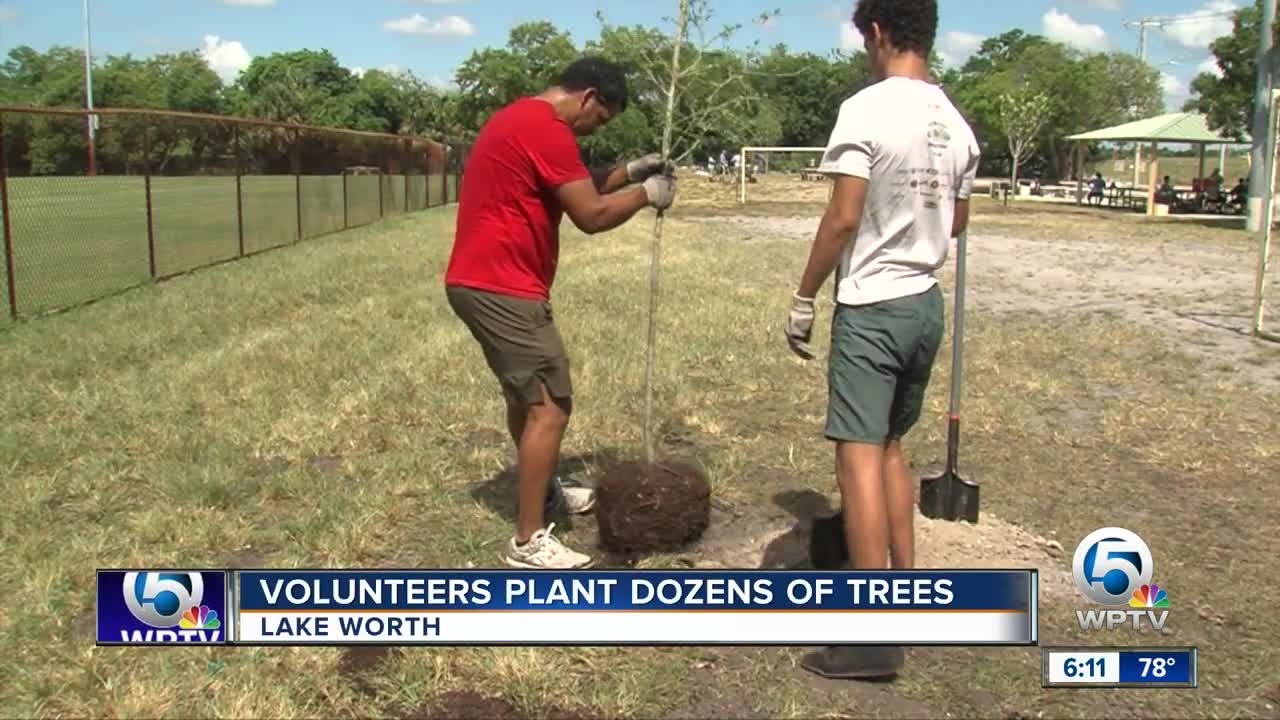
(800, 326)
(652, 164)
(661, 190)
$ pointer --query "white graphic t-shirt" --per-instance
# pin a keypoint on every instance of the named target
(919, 155)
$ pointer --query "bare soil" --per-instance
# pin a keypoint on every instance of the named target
(652, 508)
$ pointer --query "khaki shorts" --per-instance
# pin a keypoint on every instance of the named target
(520, 342)
(881, 359)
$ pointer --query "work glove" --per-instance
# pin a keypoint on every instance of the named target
(661, 190)
(800, 326)
(652, 164)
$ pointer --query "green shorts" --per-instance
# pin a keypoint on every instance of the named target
(881, 358)
(520, 342)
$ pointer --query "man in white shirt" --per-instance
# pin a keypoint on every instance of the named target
(903, 162)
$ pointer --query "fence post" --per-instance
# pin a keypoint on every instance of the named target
(426, 178)
(146, 183)
(8, 225)
(405, 159)
(345, 224)
(444, 175)
(297, 183)
(239, 193)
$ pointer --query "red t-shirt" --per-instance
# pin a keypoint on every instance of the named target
(507, 239)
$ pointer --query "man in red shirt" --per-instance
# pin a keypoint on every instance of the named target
(523, 174)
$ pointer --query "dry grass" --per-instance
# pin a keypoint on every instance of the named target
(322, 407)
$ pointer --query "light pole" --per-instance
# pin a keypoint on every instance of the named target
(1261, 108)
(90, 120)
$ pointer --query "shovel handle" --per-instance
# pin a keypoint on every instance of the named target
(957, 335)
(957, 359)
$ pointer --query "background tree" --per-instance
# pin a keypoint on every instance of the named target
(1227, 101)
(1022, 115)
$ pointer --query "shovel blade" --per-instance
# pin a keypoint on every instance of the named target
(949, 496)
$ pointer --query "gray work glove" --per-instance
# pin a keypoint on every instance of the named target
(800, 326)
(652, 164)
(661, 190)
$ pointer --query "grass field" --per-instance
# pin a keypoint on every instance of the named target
(79, 238)
(320, 406)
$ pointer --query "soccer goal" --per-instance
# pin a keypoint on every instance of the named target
(1266, 278)
(782, 174)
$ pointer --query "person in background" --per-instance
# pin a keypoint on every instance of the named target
(1097, 187)
(524, 173)
(1165, 194)
(1240, 193)
(903, 161)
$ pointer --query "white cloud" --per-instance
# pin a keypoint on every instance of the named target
(955, 47)
(389, 68)
(1210, 65)
(416, 24)
(1174, 87)
(1200, 33)
(1112, 5)
(7, 14)
(249, 3)
(850, 38)
(226, 57)
(442, 83)
(1065, 29)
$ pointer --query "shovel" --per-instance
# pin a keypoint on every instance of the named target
(949, 496)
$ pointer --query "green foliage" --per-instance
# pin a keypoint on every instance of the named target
(806, 90)
(1228, 101)
(1084, 91)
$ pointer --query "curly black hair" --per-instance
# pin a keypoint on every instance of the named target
(911, 25)
(606, 78)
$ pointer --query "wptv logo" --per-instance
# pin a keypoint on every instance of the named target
(161, 607)
(1112, 567)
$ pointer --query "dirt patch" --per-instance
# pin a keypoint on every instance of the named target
(485, 439)
(267, 466)
(470, 705)
(652, 508)
(85, 625)
(329, 465)
(248, 557)
(359, 663)
(779, 540)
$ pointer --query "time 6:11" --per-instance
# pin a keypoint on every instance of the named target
(1093, 667)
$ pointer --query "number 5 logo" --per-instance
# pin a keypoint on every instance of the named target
(1110, 564)
(160, 598)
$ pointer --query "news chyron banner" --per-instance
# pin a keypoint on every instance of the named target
(607, 607)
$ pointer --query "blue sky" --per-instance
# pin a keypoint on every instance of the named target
(430, 37)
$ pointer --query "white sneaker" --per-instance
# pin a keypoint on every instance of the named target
(544, 552)
(576, 500)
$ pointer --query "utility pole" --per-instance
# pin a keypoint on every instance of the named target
(91, 120)
(1261, 110)
(1142, 24)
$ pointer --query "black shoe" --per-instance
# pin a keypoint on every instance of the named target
(828, 549)
(860, 662)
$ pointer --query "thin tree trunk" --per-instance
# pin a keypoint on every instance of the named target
(650, 454)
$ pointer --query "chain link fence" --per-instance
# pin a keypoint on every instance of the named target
(94, 205)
